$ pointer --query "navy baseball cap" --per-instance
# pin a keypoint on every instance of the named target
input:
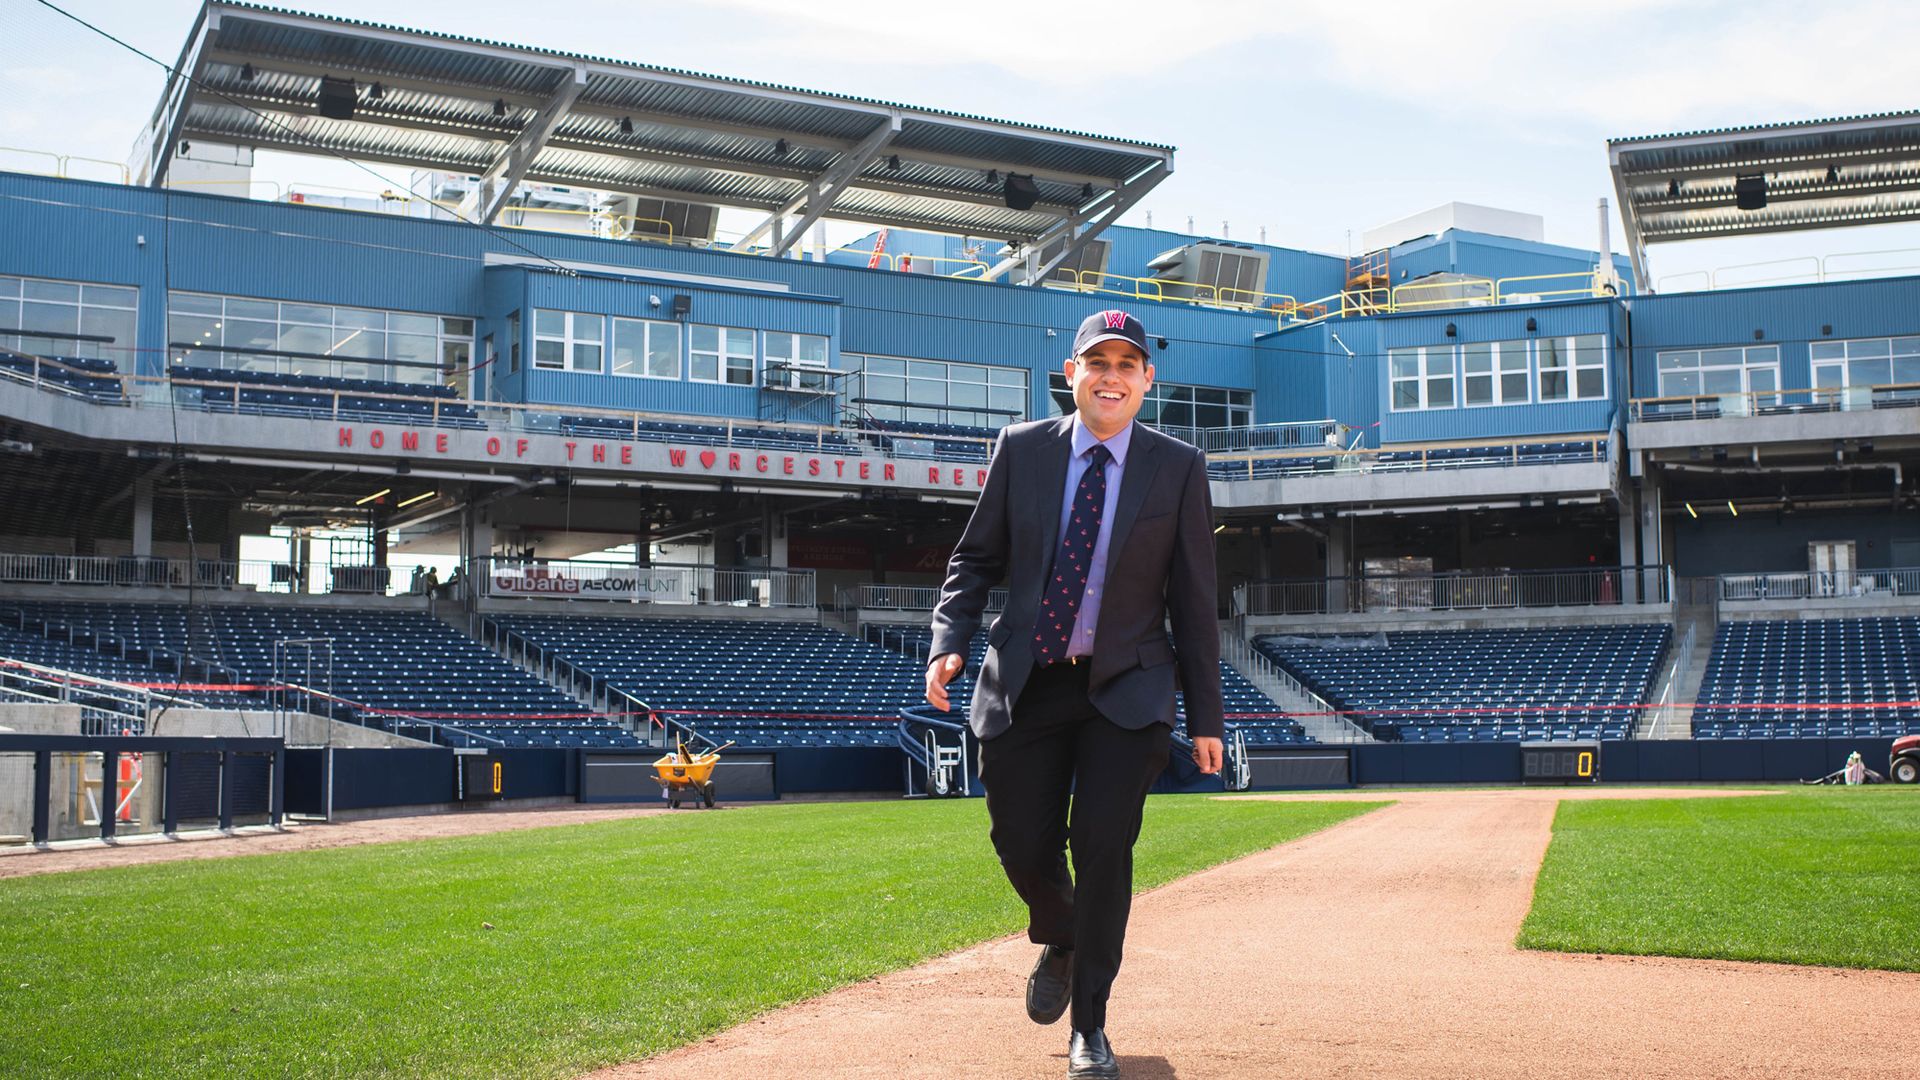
(1113, 325)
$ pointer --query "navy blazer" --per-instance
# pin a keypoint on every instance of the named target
(1159, 570)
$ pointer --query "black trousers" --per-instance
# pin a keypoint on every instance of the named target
(1061, 777)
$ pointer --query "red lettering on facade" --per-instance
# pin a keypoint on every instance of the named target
(933, 474)
(813, 466)
(839, 467)
(519, 448)
(733, 462)
(570, 447)
(675, 457)
(409, 440)
(626, 454)
(346, 436)
(760, 462)
(959, 478)
(887, 469)
(440, 443)
(980, 478)
(863, 470)
(599, 451)
(376, 438)
(786, 465)
(493, 447)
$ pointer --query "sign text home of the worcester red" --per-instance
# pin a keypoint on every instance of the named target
(702, 460)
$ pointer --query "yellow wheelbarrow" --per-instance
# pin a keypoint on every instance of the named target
(688, 776)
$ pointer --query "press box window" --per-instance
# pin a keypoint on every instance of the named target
(720, 354)
(1696, 372)
(1494, 372)
(646, 348)
(567, 340)
(1573, 368)
(72, 316)
(1421, 378)
(788, 352)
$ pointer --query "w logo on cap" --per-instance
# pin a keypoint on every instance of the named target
(1116, 320)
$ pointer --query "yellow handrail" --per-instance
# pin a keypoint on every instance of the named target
(247, 185)
(1459, 285)
(906, 262)
(1585, 278)
(60, 161)
(621, 228)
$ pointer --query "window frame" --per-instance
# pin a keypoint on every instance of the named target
(82, 304)
(723, 368)
(1746, 368)
(1496, 374)
(1424, 377)
(570, 340)
(648, 328)
(1568, 346)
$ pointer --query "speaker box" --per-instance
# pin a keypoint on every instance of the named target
(336, 98)
(1750, 192)
(1021, 192)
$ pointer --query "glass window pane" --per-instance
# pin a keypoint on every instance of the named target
(1439, 362)
(1553, 385)
(549, 354)
(1763, 354)
(1009, 397)
(1827, 376)
(886, 388)
(1006, 376)
(1591, 382)
(549, 323)
(1906, 370)
(414, 348)
(586, 357)
(704, 366)
(1208, 395)
(587, 327)
(248, 334)
(1406, 394)
(192, 304)
(629, 345)
(358, 318)
(360, 344)
(1720, 380)
(315, 314)
(457, 327)
(1551, 354)
(1589, 350)
(306, 339)
(739, 371)
(926, 369)
(740, 341)
(886, 365)
(813, 350)
(1513, 387)
(1479, 389)
(927, 391)
(111, 296)
(704, 338)
(663, 351)
(51, 318)
(1722, 358)
(967, 373)
(1673, 361)
(779, 347)
(1906, 346)
(1404, 362)
(1679, 383)
(50, 290)
(1869, 372)
(252, 309)
(9, 286)
(1760, 379)
(412, 324)
(966, 394)
(1828, 350)
(1871, 347)
(109, 322)
(1478, 358)
(1439, 393)
(193, 329)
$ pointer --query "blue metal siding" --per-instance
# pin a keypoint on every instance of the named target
(1499, 324)
(1790, 316)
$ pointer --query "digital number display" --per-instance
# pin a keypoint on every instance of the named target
(1560, 763)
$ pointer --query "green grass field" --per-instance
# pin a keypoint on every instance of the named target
(610, 941)
(1805, 876)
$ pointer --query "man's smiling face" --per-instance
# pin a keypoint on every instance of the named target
(1110, 383)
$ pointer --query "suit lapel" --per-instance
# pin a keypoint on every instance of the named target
(1052, 477)
(1135, 479)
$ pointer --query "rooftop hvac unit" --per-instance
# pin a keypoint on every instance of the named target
(642, 218)
(1210, 271)
(1085, 266)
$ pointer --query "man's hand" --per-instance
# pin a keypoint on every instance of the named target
(1209, 754)
(940, 672)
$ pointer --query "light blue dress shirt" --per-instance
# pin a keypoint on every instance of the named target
(1081, 644)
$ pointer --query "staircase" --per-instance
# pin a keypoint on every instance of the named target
(594, 694)
(1306, 708)
(1369, 289)
(1677, 685)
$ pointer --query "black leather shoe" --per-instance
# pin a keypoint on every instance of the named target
(1050, 987)
(1088, 1055)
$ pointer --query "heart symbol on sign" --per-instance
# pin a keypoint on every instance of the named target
(706, 459)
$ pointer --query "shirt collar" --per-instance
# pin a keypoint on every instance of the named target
(1085, 440)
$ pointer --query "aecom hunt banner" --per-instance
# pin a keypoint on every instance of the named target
(666, 586)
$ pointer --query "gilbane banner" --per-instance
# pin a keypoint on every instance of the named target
(657, 585)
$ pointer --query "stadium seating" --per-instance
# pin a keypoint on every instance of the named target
(1390, 460)
(1253, 713)
(278, 394)
(1810, 661)
(96, 377)
(951, 442)
(1553, 683)
(759, 683)
(389, 662)
(643, 430)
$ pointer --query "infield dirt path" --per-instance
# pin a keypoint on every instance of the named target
(1382, 947)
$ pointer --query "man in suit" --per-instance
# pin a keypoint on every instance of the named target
(1103, 530)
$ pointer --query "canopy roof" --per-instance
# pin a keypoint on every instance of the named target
(510, 113)
(1814, 174)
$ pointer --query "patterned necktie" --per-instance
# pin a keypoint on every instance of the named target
(1068, 585)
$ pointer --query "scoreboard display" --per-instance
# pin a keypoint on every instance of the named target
(1560, 763)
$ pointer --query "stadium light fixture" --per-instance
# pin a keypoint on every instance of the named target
(1732, 509)
(430, 494)
(1691, 512)
(1220, 528)
(381, 494)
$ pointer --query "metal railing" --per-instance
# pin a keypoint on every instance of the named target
(660, 583)
(218, 575)
(1304, 434)
(1669, 704)
(1598, 587)
(1775, 402)
(1821, 585)
(107, 707)
(1798, 270)
(908, 598)
(1409, 457)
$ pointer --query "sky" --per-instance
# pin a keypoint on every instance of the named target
(1312, 120)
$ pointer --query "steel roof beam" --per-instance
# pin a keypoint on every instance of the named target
(497, 184)
(821, 191)
(171, 115)
(1107, 206)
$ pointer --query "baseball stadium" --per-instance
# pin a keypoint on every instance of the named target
(478, 623)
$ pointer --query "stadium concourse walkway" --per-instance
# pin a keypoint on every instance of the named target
(1381, 947)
